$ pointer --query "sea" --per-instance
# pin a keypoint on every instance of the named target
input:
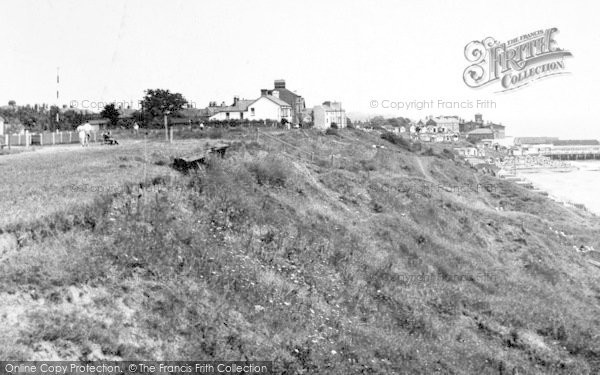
(577, 186)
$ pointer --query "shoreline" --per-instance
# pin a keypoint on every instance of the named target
(524, 175)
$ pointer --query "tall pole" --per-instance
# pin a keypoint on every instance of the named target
(57, 96)
(166, 127)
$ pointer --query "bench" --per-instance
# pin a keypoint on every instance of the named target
(185, 164)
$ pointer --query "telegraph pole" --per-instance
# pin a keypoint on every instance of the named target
(57, 96)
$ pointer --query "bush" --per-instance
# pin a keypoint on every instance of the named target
(397, 140)
(271, 172)
(331, 131)
(334, 125)
(215, 133)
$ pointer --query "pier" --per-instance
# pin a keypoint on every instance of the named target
(573, 153)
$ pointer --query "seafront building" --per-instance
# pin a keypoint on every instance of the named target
(329, 114)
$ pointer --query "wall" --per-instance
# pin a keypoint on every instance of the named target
(265, 109)
(222, 116)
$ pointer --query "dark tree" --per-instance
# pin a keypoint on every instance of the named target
(112, 113)
(161, 102)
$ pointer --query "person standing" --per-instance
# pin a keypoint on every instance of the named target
(136, 128)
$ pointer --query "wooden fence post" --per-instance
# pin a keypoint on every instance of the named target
(53, 138)
(70, 137)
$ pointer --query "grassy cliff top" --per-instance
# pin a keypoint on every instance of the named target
(323, 253)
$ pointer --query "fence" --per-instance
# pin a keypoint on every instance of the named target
(43, 139)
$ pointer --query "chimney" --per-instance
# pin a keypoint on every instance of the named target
(264, 92)
(223, 104)
(236, 99)
(479, 118)
(280, 83)
(275, 93)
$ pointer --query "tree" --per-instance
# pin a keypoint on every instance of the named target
(12, 103)
(112, 113)
(161, 102)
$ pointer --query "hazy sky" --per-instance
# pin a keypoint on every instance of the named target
(351, 51)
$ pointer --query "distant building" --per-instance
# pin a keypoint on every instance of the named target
(478, 135)
(576, 142)
(237, 111)
(270, 107)
(99, 124)
(531, 141)
(329, 113)
(445, 124)
(294, 100)
(469, 151)
(469, 126)
(498, 129)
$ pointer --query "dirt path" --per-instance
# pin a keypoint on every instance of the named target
(426, 174)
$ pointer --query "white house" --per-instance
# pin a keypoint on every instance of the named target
(270, 107)
(266, 107)
(2, 131)
(329, 113)
(237, 111)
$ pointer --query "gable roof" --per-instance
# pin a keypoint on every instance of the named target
(481, 131)
(241, 106)
(272, 98)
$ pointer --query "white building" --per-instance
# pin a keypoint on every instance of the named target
(2, 131)
(328, 114)
(444, 124)
(270, 107)
(266, 107)
(236, 111)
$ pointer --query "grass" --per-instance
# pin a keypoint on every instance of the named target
(363, 265)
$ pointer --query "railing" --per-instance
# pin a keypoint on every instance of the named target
(42, 139)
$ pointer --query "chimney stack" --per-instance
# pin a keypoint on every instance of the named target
(236, 99)
(275, 93)
(264, 92)
(280, 83)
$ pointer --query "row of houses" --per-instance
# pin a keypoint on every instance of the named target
(531, 146)
(451, 128)
(278, 104)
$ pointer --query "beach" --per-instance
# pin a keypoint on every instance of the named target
(579, 186)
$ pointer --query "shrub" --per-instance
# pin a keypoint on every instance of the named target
(272, 172)
(331, 131)
(397, 140)
(334, 125)
(215, 133)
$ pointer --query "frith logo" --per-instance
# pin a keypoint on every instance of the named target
(515, 63)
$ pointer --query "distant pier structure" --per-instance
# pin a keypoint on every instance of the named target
(554, 148)
(574, 150)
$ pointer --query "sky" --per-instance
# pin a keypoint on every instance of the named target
(355, 52)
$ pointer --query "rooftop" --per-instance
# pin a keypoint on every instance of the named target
(481, 131)
(576, 142)
(535, 140)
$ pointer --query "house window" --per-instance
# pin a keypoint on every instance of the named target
(227, 115)
(251, 111)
